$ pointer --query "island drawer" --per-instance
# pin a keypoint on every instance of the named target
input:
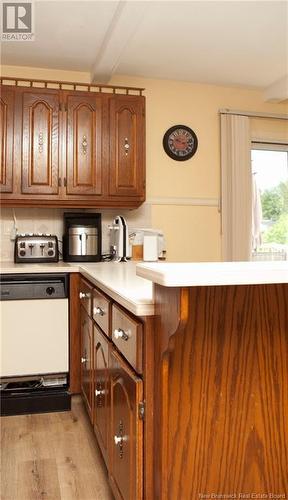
(127, 335)
(85, 295)
(101, 311)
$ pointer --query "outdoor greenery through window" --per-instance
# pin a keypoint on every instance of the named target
(270, 202)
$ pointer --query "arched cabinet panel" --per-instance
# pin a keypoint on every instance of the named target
(127, 146)
(40, 143)
(126, 460)
(86, 331)
(101, 391)
(84, 145)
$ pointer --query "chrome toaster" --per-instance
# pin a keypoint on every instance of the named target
(36, 248)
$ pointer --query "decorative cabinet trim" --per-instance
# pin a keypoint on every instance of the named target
(77, 86)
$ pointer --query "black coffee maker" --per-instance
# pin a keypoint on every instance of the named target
(82, 237)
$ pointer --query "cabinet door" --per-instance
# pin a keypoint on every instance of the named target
(6, 139)
(126, 448)
(86, 361)
(40, 142)
(127, 146)
(101, 390)
(84, 144)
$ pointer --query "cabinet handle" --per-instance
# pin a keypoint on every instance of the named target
(126, 146)
(99, 392)
(120, 334)
(84, 295)
(98, 310)
(40, 142)
(118, 440)
(84, 145)
(84, 360)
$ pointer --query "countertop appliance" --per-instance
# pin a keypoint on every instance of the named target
(82, 238)
(34, 343)
(119, 239)
(36, 248)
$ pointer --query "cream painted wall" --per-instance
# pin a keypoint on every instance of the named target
(192, 232)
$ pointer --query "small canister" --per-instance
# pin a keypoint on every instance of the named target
(150, 248)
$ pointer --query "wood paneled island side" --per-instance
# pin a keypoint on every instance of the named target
(221, 380)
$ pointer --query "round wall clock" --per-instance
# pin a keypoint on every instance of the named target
(180, 142)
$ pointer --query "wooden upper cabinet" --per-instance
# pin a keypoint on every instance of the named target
(6, 140)
(126, 447)
(40, 142)
(75, 148)
(84, 144)
(127, 146)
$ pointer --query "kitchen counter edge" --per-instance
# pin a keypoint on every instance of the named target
(190, 274)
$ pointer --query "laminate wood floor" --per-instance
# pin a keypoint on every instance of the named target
(51, 456)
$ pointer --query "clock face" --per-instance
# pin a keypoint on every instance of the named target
(180, 142)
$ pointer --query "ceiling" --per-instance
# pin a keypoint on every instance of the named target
(241, 43)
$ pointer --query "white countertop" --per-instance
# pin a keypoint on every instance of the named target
(214, 273)
(117, 279)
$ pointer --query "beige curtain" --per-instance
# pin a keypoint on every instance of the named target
(236, 188)
(269, 130)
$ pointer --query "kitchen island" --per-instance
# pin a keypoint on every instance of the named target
(220, 379)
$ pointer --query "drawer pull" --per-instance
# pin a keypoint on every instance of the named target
(84, 295)
(84, 360)
(98, 310)
(120, 334)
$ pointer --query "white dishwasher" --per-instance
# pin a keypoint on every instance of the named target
(34, 366)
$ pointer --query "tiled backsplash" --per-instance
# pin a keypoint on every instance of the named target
(50, 220)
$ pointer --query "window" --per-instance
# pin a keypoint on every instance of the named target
(270, 201)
